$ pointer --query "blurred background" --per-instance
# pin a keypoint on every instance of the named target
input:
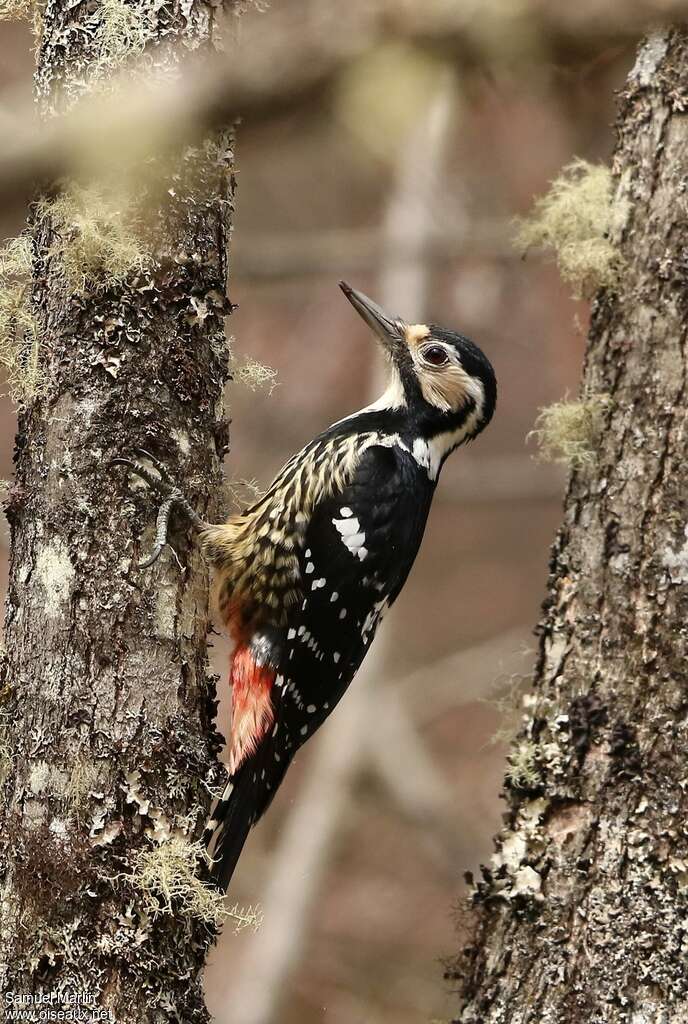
(403, 178)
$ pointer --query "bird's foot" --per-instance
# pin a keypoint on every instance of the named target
(172, 497)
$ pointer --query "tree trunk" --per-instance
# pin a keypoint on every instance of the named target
(583, 916)
(106, 705)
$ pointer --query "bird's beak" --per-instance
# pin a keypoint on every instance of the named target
(390, 331)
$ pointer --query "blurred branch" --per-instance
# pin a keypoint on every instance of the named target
(149, 119)
(287, 57)
(404, 763)
(345, 250)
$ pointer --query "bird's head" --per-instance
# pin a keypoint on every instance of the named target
(443, 381)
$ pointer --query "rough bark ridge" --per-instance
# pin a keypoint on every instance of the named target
(107, 741)
(583, 916)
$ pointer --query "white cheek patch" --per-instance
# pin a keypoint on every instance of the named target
(352, 535)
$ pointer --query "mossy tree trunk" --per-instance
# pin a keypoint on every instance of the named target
(106, 713)
(583, 915)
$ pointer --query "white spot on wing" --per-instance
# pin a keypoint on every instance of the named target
(347, 527)
(352, 535)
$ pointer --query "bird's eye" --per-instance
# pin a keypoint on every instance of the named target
(435, 355)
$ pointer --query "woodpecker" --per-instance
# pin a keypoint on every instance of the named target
(305, 575)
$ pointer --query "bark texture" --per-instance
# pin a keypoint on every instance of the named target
(583, 916)
(107, 741)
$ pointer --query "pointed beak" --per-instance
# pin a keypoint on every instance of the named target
(390, 331)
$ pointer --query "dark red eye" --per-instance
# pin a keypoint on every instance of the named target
(435, 355)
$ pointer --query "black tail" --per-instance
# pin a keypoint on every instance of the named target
(245, 799)
(229, 826)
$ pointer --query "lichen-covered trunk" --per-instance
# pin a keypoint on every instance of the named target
(107, 743)
(583, 916)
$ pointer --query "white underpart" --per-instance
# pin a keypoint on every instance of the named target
(352, 535)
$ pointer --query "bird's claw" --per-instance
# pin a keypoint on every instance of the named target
(170, 493)
(161, 482)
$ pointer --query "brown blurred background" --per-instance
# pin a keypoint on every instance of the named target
(403, 179)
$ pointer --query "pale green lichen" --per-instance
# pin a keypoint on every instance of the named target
(522, 766)
(16, 10)
(98, 237)
(575, 219)
(255, 375)
(165, 876)
(15, 257)
(6, 753)
(529, 763)
(569, 432)
(82, 780)
(122, 34)
(19, 345)
(24, 10)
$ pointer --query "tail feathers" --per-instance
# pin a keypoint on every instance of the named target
(245, 799)
(229, 826)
